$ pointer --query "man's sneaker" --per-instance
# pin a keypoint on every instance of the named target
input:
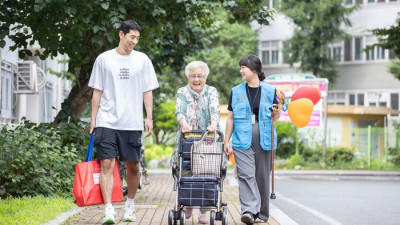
(258, 220)
(129, 215)
(109, 216)
(247, 218)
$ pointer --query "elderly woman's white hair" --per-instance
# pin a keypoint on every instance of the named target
(196, 65)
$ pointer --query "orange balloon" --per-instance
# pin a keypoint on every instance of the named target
(300, 111)
(309, 92)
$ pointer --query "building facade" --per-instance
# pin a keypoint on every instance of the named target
(28, 89)
(363, 78)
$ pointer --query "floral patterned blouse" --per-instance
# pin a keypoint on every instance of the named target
(197, 109)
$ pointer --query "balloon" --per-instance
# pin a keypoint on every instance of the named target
(283, 101)
(232, 158)
(309, 92)
(300, 111)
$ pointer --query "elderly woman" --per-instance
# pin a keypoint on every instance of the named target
(197, 108)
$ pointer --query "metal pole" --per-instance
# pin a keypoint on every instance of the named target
(385, 133)
(369, 146)
(325, 117)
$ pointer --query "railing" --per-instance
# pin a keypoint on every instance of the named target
(370, 143)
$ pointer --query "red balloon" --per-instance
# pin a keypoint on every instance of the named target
(309, 92)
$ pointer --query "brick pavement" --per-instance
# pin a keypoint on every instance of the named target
(153, 203)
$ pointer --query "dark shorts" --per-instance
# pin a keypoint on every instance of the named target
(110, 142)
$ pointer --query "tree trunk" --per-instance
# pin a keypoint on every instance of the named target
(80, 94)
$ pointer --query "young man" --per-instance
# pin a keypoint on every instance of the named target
(122, 80)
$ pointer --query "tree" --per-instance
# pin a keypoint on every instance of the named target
(165, 123)
(83, 29)
(230, 44)
(390, 39)
(317, 24)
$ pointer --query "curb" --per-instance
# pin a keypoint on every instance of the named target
(64, 216)
(280, 216)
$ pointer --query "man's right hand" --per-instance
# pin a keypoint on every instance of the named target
(92, 126)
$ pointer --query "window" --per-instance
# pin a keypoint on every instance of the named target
(382, 104)
(352, 99)
(285, 55)
(372, 104)
(370, 40)
(380, 1)
(274, 57)
(347, 50)
(265, 57)
(349, 2)
(48, 99)
(337, 54)
(6, 90)
(380, 52)
(371, 1)
(359, 1)
(370, 54)
(394, 102)
(358, 48)
(335, 51)
(360, 99)
(270, 52)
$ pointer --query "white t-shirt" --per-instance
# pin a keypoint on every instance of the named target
(123, 79)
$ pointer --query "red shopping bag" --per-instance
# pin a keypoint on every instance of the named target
(86, 188)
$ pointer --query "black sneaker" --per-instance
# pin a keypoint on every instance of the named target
(247, 218)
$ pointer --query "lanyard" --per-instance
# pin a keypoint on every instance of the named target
(255, 96)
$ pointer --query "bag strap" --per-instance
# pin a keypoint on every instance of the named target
(89, 152)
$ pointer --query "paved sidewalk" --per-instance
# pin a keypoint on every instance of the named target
(155, 200)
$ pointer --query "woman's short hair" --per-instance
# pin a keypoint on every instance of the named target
(128, 25)
(196, 65)
(253, 63)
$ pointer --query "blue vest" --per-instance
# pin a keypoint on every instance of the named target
(242, 127)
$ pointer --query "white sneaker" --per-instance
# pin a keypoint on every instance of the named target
(109, 216)
(129, 215)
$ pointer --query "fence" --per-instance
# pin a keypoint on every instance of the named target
(369, 143)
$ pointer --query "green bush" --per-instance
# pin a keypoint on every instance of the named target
(394, 156)
(158, 152)
(286, 140)
(338, 155)
(294, 160)
(312, 155)
(40, 159)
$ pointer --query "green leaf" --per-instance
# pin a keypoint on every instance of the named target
(105, 5)
(96, 28)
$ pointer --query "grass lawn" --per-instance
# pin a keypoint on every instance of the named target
(33, 210)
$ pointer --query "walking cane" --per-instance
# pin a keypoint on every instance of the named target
(273, 196)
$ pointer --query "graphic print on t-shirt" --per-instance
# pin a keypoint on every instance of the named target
(124, 73)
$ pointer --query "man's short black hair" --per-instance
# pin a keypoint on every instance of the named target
(128, 25)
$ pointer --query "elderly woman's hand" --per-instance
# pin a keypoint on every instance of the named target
(212, 128)
(186, 128)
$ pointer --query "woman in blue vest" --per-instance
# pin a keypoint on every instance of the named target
(249, 125)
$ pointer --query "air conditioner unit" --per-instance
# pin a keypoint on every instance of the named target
(26, 79)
